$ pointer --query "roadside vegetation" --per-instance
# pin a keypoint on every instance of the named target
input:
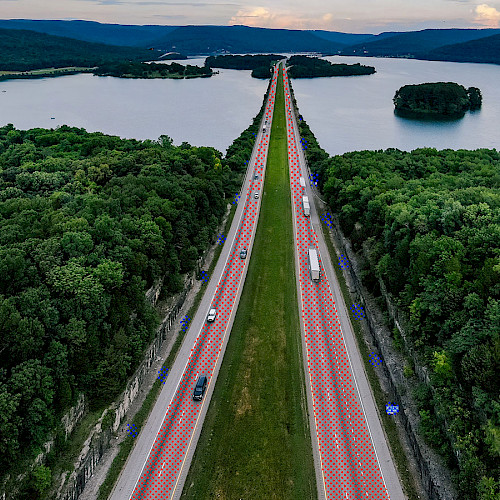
(432, 222)
(436, 100)
(313, 67)
(255, 441)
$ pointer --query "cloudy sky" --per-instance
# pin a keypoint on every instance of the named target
(355, 16)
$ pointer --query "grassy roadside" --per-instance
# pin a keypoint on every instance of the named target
(142, 415)
(255, 443)
(388, 423)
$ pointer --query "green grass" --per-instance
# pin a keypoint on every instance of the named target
(45, 70)
(255, 443)
(142, 415)
(393, 441)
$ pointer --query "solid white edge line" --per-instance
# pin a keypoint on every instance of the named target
(194, 343)
(343, 339)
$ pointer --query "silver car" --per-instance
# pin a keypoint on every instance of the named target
(212, 315)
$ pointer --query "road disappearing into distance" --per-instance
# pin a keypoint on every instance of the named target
(157, 466)
(348, 462)
(351, 457)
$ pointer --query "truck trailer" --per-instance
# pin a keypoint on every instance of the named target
(314, 264)
(302, 183)
(306, 206)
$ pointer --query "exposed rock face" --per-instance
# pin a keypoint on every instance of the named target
(97, 443)
(73, 416)
(435, 478)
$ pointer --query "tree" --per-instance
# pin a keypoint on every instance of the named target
(442, 365)
(41, 479)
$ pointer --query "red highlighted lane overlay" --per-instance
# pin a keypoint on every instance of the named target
(349, 465)
(160, 475)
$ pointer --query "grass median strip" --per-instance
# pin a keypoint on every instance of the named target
(255, 443)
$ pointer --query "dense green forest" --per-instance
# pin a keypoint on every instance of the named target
(430, 221)
(242, 62)
(27, 50)
(87, 223)
(312, 67)
(262, 72)
(152, 70)
(447, 100)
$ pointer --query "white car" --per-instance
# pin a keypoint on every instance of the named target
(256, 195)
(211, 315)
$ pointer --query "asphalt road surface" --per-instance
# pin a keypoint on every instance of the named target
(158, 464)
(351, 454)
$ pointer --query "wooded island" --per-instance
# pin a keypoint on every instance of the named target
(313, 67)
(152, 70)
(439, 100)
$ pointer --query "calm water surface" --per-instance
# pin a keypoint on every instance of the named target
(353, 113)
(202, 111)
(345, 113)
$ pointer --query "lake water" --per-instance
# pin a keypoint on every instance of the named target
(353, 113)
(202, 111)
(346, 114)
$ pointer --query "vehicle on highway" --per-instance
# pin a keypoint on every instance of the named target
(256, 195)
(199, 388)
(306, 206)
(211, 315)
(243, 254)
(314, 264)
(255, 176)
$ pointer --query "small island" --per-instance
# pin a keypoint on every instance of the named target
(439, 100)
(313, 67)
(152, 70)
(260, 64)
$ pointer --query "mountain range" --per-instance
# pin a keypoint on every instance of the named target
(473, 45)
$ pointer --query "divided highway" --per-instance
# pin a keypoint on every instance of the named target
(349, 466)
(157, 467)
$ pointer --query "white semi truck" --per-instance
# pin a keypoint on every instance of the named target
(306, 206)
(314, 264)
(302, 183)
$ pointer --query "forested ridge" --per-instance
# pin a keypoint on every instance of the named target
(312, 67)
(24, 50)
(88, 222)
(431, 222)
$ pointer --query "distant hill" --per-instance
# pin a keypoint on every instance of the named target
(341, 38)
(415, 43)
(484, 50)
(210, 40)
(23, 50)
(90, 31)
(192, 39)
(241, 39)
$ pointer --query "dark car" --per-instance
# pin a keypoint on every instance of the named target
(243, 253)
(199, 388)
